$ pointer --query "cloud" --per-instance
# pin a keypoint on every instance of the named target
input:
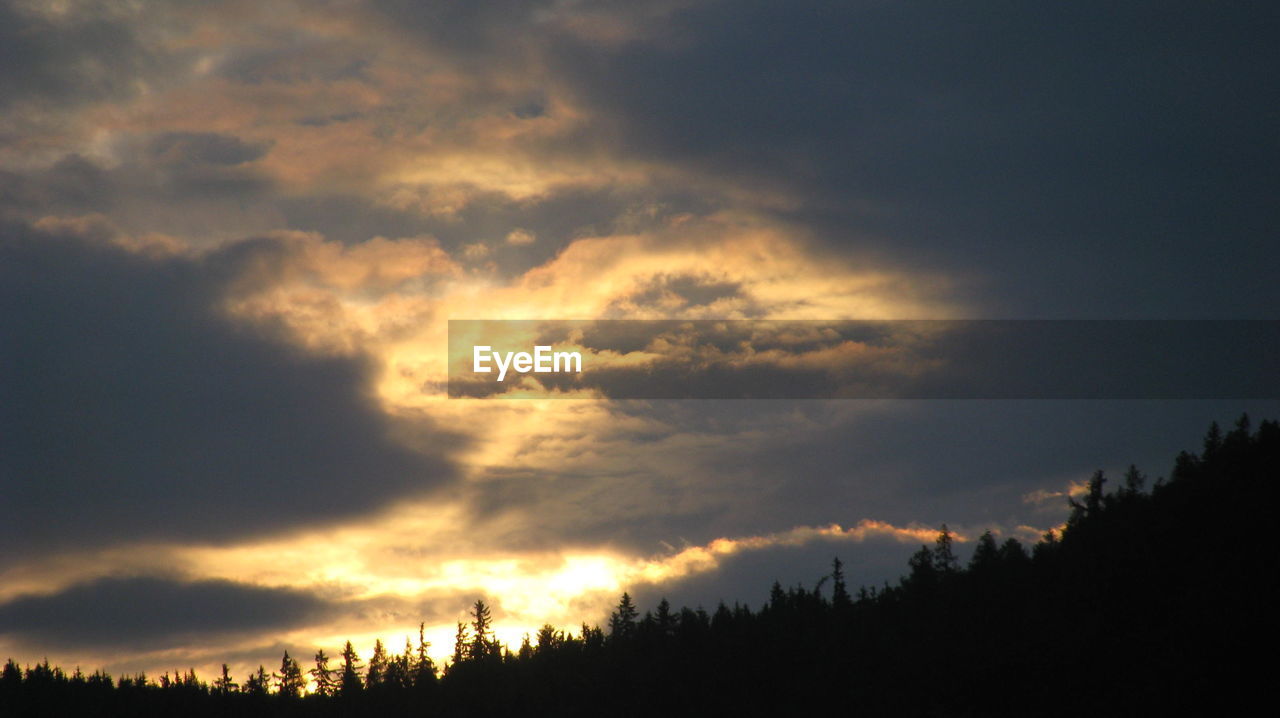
(520, 237)
(74, 57)
(1043, 149)
(150, 612)
(137, 409)
(185, 149)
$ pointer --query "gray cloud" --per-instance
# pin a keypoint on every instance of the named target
(187, 149)
(135, 410)
(88, 54)
(146, 612)
(1087, 159)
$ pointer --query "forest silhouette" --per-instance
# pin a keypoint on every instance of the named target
(1155, 595)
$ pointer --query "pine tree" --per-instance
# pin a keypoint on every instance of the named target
(1012, 552)
(223, 685)
(460, 645)
(257, 684)
(839, 591)
(622, 622)
(399, 667)
(1134, 480)
(424, 669)
(351, 683)
(665, 620)
(985, 554)
(923, 570)
(1212, 441)
(377, 665)
(12, 675)
(484, 645)
(548, 639)
(289, 682)
(323, 675)
(944, 557)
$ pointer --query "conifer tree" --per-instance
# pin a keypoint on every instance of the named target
(1012, 552)
(548, 638)
(223, 685)
(350, 681)
(377, 665)
(923, 572)
(289, 682)
(622, 622)
(839, 591)
(484, 645)
(424, 669)
(944, 557)
(664, 619)
(985, 554)
(323, 675)
(460, 653)
(257, 684)
(1134, 480)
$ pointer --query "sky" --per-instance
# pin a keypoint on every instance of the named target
(232, 235)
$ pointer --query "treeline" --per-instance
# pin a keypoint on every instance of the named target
(1155, 594)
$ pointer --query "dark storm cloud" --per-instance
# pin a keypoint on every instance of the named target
(188, 149)
(133, 409)
(185, 174)
(73, 183)
(195, 166)
(475, 31)
(84, 55)
(1087, 158)
(149, 611)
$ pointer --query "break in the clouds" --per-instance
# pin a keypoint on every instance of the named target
(233, 235)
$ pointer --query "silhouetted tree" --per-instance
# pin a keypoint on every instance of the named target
(622, 622)
(944, 557)
(986, 555)
(1012, 553)
(424, 669)
(839, 591)
(1212, 442)
(460, 643)
(484, 646)
(351, 680)
(377, 665)
(289, 682)
(223, 684)
(259, 683)
(548, 639)
(323, 675)
(923, 571)
(1134, 480)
